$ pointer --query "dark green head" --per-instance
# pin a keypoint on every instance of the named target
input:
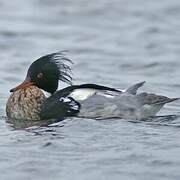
(46, 72)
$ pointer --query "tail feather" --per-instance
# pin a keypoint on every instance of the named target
(133, 89)
(153, 99)
(168, 100)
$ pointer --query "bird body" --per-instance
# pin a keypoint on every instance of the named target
(84, 101)
(28, 101)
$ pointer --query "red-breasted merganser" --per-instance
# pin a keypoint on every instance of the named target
(28, 101)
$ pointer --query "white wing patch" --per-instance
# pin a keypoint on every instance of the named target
(82, 94)
(85, 93)
(65, 99)
(73, 105)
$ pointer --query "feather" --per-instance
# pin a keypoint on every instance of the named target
(62, 63)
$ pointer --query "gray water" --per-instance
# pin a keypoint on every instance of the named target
(111, 42)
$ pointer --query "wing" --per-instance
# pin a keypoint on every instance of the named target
(133, 89)
(151, 104)
(153, 99)
(100, 106)
(66, 102)
(91, 99)
(60, 107)
(82, 92)
(85, 91)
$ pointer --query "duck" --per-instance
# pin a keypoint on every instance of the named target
(28, 101)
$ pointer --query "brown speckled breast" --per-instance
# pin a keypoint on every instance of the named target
(25, 104)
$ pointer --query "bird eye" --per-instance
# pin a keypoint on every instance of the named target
(40, 76)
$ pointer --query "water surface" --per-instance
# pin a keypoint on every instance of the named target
(115, 43)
